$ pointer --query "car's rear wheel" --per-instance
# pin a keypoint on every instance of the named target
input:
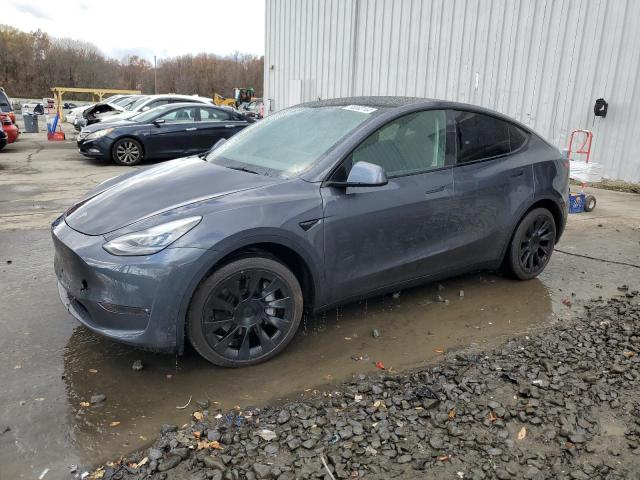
(127, 152)
(246, 312)
(532, 244)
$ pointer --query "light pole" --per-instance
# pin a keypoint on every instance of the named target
(155, 76)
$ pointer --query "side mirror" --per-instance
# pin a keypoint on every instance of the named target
(158, 121)
(364, 174)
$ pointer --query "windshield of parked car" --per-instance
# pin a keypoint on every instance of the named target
(123, 101)
(151, 114)
(288, 142)
(135, 103)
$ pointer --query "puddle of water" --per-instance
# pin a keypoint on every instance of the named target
(414, 328)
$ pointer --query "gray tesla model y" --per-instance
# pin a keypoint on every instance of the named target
(314, 206)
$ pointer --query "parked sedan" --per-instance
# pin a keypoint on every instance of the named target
(5, 105)
(168, 131)
(3, 139)
(317, 205)
(10, 128)
(149, 102)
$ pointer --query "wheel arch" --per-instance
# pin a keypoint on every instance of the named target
(548, 203)
(275, 248)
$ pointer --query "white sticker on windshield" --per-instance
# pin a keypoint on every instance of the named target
(359, 108)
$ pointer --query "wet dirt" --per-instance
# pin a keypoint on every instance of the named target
(49, 364)
(413, 329)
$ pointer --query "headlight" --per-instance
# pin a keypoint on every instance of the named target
(98, 134)
(151, 240)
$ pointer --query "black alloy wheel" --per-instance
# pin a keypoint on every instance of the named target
(532, 244)
(246, 312)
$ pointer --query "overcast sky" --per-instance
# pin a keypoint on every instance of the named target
(146, 27)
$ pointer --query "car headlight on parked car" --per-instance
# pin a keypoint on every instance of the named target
(151, 240)
(98, 134)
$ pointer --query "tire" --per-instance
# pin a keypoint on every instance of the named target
(246, 312)
(589, 203)
(127, 152)
(531, 245)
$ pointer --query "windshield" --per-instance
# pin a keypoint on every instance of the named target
(288, 142)
(135, 103)
(149, 114)
(122, 101)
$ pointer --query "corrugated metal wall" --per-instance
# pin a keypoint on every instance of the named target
(544, 62)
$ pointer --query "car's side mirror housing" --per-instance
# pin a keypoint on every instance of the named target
(158, 121)
(363, 174)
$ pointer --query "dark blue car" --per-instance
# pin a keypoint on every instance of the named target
(317, 205)
(169, 131)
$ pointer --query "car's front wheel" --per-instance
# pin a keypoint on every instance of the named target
(127, 152)
(532, 244)
(246, 312)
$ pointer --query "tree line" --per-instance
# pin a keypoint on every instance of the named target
(32, 63)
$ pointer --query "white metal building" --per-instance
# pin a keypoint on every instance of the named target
(543, 62)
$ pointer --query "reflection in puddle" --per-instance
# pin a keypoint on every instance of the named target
(414, 328)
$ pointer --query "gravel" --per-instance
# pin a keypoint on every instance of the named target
(563, 403)
(97, 398)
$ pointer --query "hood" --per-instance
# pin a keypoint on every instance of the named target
(94, 127)
(117, 117)
(101, 108)
(121, 202)
(78, 111)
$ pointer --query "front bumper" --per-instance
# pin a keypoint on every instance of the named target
(135, 300)
(99, 148)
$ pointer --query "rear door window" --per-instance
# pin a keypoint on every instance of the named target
(181, 115)
(517, 137)
(213, 114)
(480, 137)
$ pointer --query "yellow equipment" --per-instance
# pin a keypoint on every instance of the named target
(240, 95)
(222, 101)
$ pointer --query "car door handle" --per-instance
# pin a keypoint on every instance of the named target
(191, 129)
(519, 173)
(435, 190)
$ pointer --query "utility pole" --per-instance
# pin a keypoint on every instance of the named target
(155, 76)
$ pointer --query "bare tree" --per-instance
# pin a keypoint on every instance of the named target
(32, 63)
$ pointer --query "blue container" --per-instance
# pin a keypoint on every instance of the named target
(576, 202)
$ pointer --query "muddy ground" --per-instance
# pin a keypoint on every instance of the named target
(50, 366)
(563, 403)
